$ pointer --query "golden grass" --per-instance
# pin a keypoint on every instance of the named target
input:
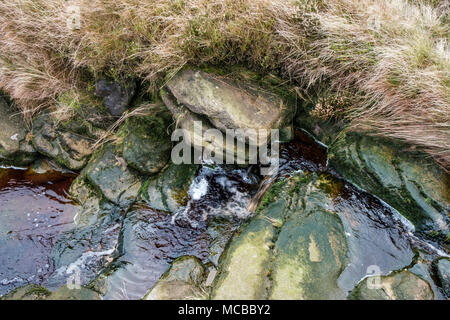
(388, 60)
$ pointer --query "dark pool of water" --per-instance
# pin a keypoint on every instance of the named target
(34, 210)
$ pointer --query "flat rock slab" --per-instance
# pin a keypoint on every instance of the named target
(443, 271)
(182, 281)
(410, 182)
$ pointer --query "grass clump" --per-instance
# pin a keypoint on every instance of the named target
(382, 65)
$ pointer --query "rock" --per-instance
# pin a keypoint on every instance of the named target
(71, 149)
(15, 148)
(148, 243)
(403, 285)
(443, 271)
(220, 230)
(181, 282)
(216, 103)
(35, 292)
(186, 120)
(169, 190)
(147, 145)
(65, 293)
(227, 105)
(423, 268)
(414, 185)
(108, 173)
(314, 237)
(27, 292)
(116, 96)
(89, 247)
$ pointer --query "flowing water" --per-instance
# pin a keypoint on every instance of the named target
(151, 240)
(35, 211)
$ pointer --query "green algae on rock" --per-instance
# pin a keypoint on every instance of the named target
(66, 293)
(309, 241)
(27, 292)
(14, 146)
(146, 144)
(181, 282)
(414, 185)
(169, 190)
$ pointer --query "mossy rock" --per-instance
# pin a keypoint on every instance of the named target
(15, 149)
(314, 237)
(410, 182)
(169, 190)
(66, 293)
(181, 282)
(146, 143)
(27, 292)
(403, 285)
(108, 173)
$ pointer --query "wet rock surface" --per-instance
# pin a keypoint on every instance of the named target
(181, 282)
(314, 237)
(15, 148)
(144, 227)
(150, 240)
(81, 252)
(402, 285)
(443, 272)
(169, 190)
(412, 184)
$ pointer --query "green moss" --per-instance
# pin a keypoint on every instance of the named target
(271, 195)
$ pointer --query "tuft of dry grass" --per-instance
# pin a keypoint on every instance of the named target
(384, 65)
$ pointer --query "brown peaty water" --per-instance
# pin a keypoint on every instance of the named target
(34, 210)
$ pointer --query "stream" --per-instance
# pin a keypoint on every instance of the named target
(36, 212)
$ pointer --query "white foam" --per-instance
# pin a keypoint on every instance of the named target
(198, 189)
